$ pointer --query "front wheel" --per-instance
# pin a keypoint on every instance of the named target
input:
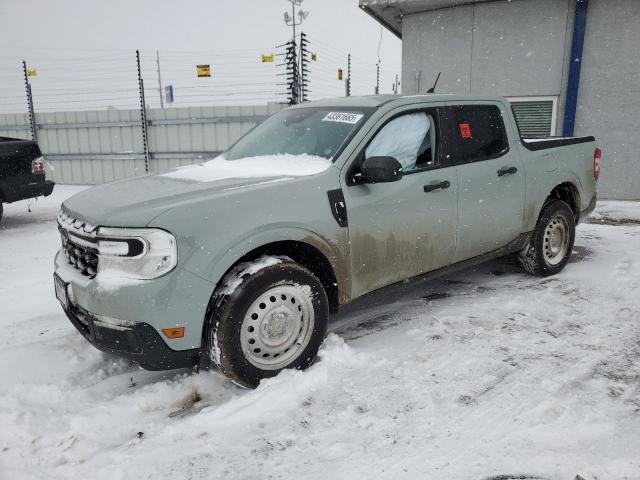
(266, 316)
(552, 240)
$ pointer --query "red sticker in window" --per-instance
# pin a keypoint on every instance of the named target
(465, 130)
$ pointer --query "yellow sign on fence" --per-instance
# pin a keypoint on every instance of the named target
(203, 70)
(339, 74)
(267, 58)
(314, 56)
(32, 72)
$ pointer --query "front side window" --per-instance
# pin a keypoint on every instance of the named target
(319, 132)
(479, 133)
(409, 138)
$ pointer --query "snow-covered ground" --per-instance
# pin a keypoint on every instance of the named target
(485, 372)
(614, 212)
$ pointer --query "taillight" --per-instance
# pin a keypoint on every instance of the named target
(37, 165)
(597, 154)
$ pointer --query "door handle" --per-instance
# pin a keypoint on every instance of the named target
(436, 186)
(507, 171)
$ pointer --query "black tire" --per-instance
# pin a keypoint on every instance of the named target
(1, 210)
(537, 258)
(222, 333)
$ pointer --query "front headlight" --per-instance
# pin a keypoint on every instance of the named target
(137, 253)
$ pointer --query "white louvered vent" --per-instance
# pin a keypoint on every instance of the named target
(535, 117)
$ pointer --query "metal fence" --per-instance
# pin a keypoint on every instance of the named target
(98, 146)
(141, 111)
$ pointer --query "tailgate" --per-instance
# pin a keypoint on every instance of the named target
(15, 165)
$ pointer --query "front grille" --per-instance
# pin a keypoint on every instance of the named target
(80, 257)
(79, 245)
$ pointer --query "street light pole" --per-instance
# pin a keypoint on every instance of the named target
(292, 20)
(293, 16)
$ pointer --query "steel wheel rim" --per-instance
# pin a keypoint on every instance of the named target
(556, 240)
(278, 326)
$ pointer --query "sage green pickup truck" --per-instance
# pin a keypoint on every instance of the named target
(241, 260)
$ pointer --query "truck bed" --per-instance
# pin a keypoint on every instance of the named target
(545, 143)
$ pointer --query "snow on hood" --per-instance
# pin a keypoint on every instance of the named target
(262, 166)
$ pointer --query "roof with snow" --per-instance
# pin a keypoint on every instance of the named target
(389, 13)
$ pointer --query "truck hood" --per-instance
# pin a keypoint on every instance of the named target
(136, 201)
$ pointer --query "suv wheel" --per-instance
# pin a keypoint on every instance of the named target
(552, 240)
(266, 316)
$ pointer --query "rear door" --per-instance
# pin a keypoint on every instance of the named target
(490, 178)
(402, 229)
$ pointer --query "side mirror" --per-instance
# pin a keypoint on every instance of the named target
(380, 170)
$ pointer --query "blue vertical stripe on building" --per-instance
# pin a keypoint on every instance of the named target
(573, 83)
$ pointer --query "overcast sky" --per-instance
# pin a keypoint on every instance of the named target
(84, 50)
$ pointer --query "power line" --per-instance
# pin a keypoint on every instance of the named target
(88, 81)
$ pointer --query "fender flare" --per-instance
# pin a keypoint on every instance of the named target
(562, 176)
(234, 251)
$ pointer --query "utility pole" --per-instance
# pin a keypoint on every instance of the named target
(396, 85)
(377, 89)
(32, 113)
(143, 115)
(292, 74)
(347, 84)
(160, 80)
(291, 21)
(304, 67)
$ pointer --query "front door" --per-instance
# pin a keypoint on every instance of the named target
(490, 180)
(401, 229)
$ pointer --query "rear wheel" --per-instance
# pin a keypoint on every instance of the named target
(275, 318)
(552, 240)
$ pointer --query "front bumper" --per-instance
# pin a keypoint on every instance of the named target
(139, 342)
(128, 319)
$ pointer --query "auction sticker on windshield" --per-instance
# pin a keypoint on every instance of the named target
(342, 117)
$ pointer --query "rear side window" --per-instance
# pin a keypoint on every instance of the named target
(479, 133)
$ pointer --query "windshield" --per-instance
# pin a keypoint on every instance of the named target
(319, 132)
